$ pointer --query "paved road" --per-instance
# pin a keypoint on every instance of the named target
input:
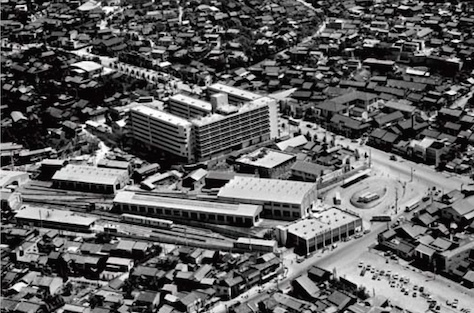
(422, 173)
(350, 250)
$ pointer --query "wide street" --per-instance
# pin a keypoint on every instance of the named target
(422, 173)
(347, 254)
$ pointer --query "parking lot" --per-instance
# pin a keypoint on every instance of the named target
(401, 283)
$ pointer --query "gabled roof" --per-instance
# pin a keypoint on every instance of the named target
(348, 122)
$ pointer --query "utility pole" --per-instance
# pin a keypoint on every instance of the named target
(396, 200)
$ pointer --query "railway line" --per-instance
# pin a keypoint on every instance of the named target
(42, 194)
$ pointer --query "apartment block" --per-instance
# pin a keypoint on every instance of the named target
(188, 107)
(252, 123)
(162, 130)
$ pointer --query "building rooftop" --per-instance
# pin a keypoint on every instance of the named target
(247, 106)
(323, 222)
(309, 168)
(55, 216)
(267, 190)
(162, 116)
(265, 158)
(89, 174)
(7, 177)
(87, 66)
(132, 198)
(246, 95)
(292, 142)
(200, 104)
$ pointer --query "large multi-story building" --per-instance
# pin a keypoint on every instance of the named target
(281, 199)
(188, 107)
(251, 123)
(235, 95)
(162, 130)
(198, 130)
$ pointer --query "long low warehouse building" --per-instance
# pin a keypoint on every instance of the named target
(280, 199)
(50, 218)
(90, 178)
(320, 231)
(185, 209)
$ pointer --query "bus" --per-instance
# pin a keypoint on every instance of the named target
(293, 122)
(381, 218)
(411, 206)
(337, 198)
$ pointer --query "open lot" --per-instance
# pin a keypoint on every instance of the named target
(438, 287)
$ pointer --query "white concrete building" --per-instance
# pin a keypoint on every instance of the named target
(281, 199)
(162, 130)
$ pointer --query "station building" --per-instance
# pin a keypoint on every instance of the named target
(280, 199)
(322, 230)
(184, 209)
(90, 178)
(57, 219)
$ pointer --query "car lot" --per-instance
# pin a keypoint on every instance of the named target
(404, 284)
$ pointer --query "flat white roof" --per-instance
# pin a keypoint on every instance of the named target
(246, 95)
(56, 216)
(162, 116)
(248, 106)
(6, 177)
(265, 158)
(87, 66)
(323, 222)
(292, 142)
(90, 174)
(266, 190)
(131, 198)
(200, 104)
(259, 242)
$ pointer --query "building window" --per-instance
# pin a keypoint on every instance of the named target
(286, 214)
(167, 212)
(277, 212)
(194, 216)
(142, 209)
(159, 211)
(212, 217)
(296, 214)
(176, 213)
(185, 214)
(134, 208)
(220, 218)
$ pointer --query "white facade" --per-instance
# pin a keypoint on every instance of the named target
(162, 130)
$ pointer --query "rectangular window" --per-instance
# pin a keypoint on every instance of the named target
(134, 208)
(167, 212)
(220, 218)
(194, 216)
(185, 214)
(286, 213)
(176, 213)
(296, 214)
(159, 211)
(212, 217)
